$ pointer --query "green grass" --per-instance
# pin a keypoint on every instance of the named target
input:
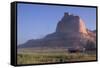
(50, 57)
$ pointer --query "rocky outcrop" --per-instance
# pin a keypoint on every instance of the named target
(71, 24)
(70, 32)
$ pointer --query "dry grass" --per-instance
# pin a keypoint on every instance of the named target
(37, 58)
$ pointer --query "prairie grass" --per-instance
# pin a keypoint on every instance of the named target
(50, 57)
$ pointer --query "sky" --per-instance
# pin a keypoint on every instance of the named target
(36, 21)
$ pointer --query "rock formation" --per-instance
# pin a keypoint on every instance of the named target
(70, 32)
(71, 23)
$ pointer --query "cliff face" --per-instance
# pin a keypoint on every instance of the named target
(71, 24)
(70, 32)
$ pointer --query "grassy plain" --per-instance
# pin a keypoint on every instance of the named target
(32, 56)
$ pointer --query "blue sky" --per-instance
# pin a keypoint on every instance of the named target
(36, 21)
